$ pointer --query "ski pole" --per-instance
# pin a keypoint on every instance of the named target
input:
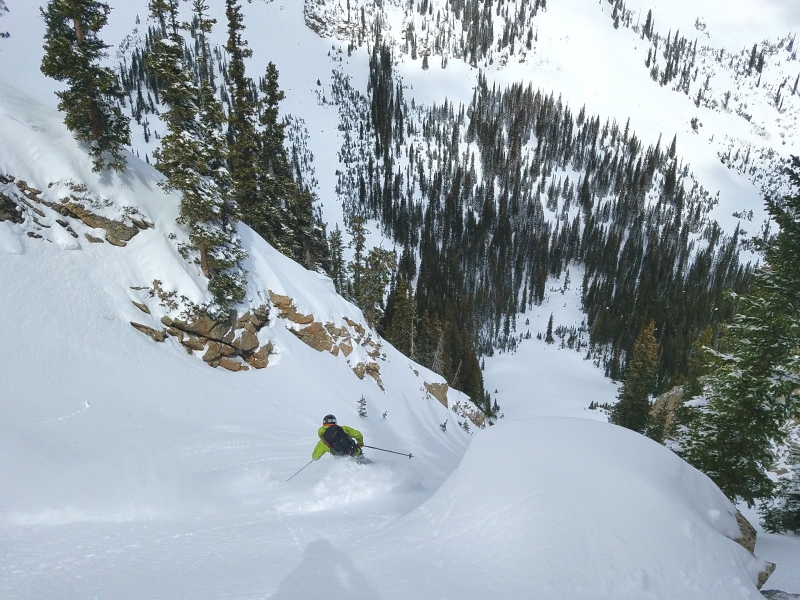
(392, 451)
(290, 478)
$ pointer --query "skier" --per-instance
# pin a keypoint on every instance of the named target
(339, 440)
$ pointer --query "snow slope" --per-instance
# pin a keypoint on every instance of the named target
(136, 471)
(568, 508)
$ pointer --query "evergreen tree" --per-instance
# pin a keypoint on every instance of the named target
(633, 409)
(699, 364)
(270, 216)
(401, 332)
(242, 134)
(549, 335)
(376, 273)
(755, 385)
(784, 514)
(191, 154)
(338, 269)
(358, 242)
(72, 53)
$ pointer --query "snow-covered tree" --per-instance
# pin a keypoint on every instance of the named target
(191, 153)
(755, 386)
(784, 514)
(73, 51)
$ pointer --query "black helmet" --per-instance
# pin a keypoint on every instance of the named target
(329, 420)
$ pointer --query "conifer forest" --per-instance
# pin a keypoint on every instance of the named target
(484, 202)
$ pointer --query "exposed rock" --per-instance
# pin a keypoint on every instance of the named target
(360, 369)
(335, 332)
(192, 343)
(315, 336)
(177, 333)
(765, 575)
(778, 595)
(260, 316)
(357, 326)
(68, 227)
(29, 192)
(231, 365)
(116, 233)
(335, 350)
(34, 235)
(141, 307)
(473, 414)
(246, 342)
(155, 335)
(438, 391)
(346, 348)
(166, 321)
(115, 241)
(204, 326)
(288, 310)
(374, 371)
(748, 537)
(92, 239)
(241, 321)
(213, 352)
(141, 223)
(260, 358)
(748, 541)
(228, 337)
(9, 211)
(250, 327)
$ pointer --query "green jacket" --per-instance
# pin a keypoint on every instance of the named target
(321, 447)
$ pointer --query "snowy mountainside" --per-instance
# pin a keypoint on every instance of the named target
(559, 42)
(72, 290)
(139, 472)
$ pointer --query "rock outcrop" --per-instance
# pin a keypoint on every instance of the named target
(9, 210)
(748, 541)
(154, 334)
(438, 391)
(232, 344)
(68, 205)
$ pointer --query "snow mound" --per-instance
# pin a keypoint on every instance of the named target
(567, 508)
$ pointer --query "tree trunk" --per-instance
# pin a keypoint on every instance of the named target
(94, 113)
(204, 262)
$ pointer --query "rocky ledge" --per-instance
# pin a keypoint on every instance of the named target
(70, 206)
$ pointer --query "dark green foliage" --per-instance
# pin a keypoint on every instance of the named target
(401, 331)
(755, 384)
(73, 51)
(549, 334)
(376, 271)
(338, 268)
(698, 364)
(269, 200)
(191, 154)
(242, 134)
(784, 514)
(633, 409)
